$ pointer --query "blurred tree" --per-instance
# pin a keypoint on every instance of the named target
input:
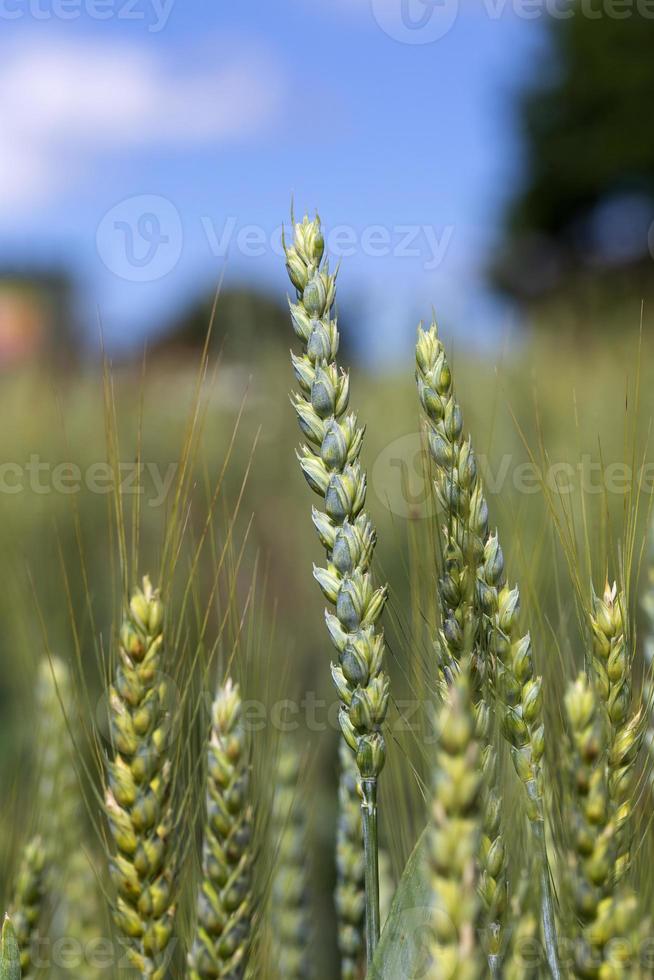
(246, 322)
(588, 201)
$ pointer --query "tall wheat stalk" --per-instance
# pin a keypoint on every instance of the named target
(137, 799)
(329, 461)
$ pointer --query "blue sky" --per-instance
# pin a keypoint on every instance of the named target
(152, 147)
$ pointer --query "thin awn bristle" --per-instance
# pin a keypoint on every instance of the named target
(137, 799)
(225, 901)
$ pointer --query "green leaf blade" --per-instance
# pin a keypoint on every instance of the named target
(9, 953)
(404, 946)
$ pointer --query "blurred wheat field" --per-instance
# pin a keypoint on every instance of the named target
(562, 438)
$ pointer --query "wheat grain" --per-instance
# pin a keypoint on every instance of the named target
(291, 912)
(225, 901)
(329, 461)
(455, 837)
(137, 798)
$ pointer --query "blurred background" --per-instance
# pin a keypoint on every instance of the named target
(494, 163)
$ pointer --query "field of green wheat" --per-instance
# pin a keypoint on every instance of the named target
(371, 698)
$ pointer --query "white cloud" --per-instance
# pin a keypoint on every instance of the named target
(64, 103)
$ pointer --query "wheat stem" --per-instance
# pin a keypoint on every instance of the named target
(371, 862)
(224, 907)
(137, 798)
(329, 461)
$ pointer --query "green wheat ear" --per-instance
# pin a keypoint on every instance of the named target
(137, 799)
(455, 838)
(225, 901)
(612, 665)
(647, 604)
(72, 882)
(291, 911)
(29, 901)
(330, 462)
(9, 953)
(480, 616)
(607, 909)
(592, 846)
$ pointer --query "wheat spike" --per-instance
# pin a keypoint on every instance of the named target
(612, 666)
(137, 798)
(28, 905)
(647, 604)
(225, 901)
(330, 463)
(350, 870)
(456, 828)
(72, 883)
(291, 911)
